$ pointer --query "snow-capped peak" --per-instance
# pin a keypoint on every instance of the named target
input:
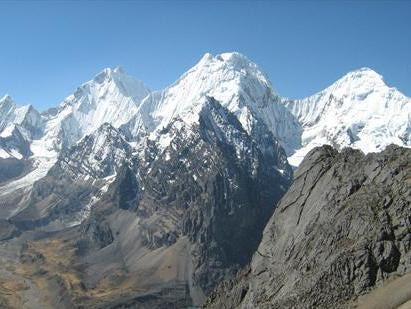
(359, 110)
(7, 106)
(357, 83)
(18, 126)
(112, 80)
(364, 72)
(112, 96)
(11, 114)
(6, 99)
(230, 78)
(115, 74)
(233, 65)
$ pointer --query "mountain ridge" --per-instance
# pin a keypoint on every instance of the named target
(229, 77)
(175, 184)
(113, 96)
(359, 110)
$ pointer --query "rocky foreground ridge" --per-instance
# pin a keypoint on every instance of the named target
(342, 230)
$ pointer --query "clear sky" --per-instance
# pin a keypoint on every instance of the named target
(48, 48)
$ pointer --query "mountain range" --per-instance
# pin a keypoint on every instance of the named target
(359, 110)
(125, 197)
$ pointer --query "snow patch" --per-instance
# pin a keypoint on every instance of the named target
(4, 154)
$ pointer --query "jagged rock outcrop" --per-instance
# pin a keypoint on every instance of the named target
(18, 126)
(197, 206)
(97, 155)
(63, 197)
(225, 183)
(342, 229)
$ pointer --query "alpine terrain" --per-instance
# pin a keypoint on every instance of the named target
(123, 197)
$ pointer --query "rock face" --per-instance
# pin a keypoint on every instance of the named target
(226, 184)
(208, 194)
(18, 126)
(63, 197)
(341, 230)
(11, 168)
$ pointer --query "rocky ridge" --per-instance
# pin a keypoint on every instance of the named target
(342, 229)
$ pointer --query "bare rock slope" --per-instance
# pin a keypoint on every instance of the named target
(341, 230)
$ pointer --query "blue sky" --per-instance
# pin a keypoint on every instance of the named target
(48, 48)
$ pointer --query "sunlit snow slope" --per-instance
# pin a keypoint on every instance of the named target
(234, 81)
(359, 110)
(111, 97)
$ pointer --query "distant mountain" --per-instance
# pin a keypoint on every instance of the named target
(359, 110)
(111, 97)
(18, 126)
